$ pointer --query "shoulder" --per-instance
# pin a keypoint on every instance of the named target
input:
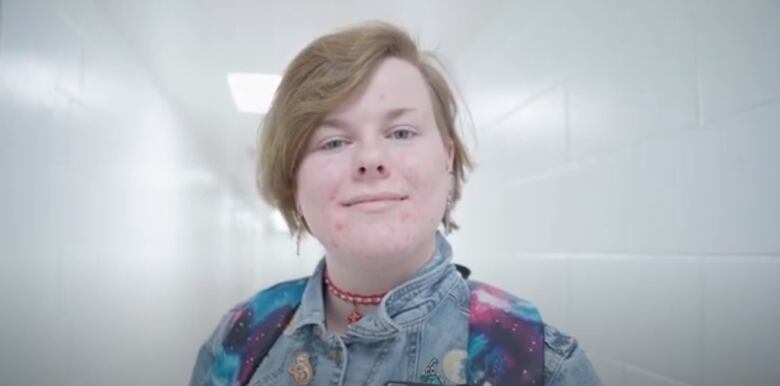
(232, 329)
(262, 303)
(484, 295)
(281, 296)
(273, 303)
(565, 363)
(285, 293)
(558, 343)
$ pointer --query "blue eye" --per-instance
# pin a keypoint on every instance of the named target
(333, 144)
(403, 134)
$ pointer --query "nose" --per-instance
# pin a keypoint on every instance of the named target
(371, 163)
(380, 169)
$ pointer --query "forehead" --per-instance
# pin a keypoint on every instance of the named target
(394, 83)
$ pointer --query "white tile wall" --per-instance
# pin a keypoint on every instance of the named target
(643, 92)
(654, 237)
(530, 141)
(627, 184)
(750, 180)
(740, 319)
(120, 249)
(736, 54)
(611, 372)
(638, 377)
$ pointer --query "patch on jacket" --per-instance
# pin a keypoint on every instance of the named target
(431, 373)
(454, 366)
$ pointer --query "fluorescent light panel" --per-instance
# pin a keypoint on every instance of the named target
(252, 92)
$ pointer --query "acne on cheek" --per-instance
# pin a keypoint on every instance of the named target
(322, 182)
(339, 229)
(334, 240)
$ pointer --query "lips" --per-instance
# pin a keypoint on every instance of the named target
(366, 198)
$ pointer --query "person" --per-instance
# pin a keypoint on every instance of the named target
(360, 150)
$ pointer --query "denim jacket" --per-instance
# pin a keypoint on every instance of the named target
(418, 334)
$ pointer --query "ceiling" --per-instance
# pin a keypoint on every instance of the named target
(189, 47)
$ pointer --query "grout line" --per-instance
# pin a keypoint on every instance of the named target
(702, 322)
(558, 170)
(566, 123)
(612, 361)
(490, 126)
(567, 299)
(1, 27)
(654, 375)
(575, 164)
(628, 255)
(724, 117)
(696, 70)
(605, 358)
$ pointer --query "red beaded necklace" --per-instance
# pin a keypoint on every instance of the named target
(353, 298)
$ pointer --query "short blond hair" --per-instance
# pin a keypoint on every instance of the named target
(320, 79)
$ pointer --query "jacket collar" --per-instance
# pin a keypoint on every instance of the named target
(408, 303)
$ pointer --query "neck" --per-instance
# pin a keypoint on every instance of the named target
(368, 280)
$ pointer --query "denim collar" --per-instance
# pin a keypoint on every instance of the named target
(406, 304)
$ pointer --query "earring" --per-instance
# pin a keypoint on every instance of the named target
(450, 204)
(447, 220)
(298, 231)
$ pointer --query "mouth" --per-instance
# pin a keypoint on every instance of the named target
(370, 199)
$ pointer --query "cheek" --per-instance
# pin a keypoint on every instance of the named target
(428, 182)
(425, 173)
(317, 186)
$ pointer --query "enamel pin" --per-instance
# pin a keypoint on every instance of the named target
(301, 370)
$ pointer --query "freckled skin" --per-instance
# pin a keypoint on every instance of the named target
(415, 166)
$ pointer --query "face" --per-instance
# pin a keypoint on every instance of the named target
(374, 179)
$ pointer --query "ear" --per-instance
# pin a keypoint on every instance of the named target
(449, 147)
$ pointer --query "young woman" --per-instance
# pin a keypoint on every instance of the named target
(360, 150)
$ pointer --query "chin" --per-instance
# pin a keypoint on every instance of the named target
(375, 246)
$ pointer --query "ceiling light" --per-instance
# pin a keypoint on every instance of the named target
(253, 93)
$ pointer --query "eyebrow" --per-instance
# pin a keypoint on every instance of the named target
(388, 116)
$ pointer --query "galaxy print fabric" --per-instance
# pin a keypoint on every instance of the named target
(506, 339)
(253, 330)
